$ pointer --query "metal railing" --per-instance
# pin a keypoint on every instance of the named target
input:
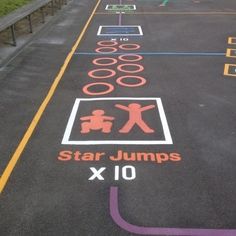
(26, 11)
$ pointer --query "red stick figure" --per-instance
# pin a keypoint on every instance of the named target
(96, 121)
(135, 117)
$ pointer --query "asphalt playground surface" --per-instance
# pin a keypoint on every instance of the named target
(119, 119)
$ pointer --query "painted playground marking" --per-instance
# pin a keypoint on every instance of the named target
(190, 54)
(231, 52)
(120, 7)
(230, 70)
(142, 230)
(164, 3)
(121, 82)
(167, 136)
(120, 30)
(232, 40)
(206, 13)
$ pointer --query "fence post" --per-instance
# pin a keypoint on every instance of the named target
(30, 24)
(13, 34)
(42, 13)
(52, 6)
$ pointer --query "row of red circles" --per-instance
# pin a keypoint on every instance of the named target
(107, 47)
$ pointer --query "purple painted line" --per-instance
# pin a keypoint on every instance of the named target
(120, 19)
(115, 214)
(120, 15)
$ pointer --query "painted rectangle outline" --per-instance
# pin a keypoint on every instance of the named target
(107, 6)
(228, 52)
(66, 138)
(230, 40)
(226, 70)
(118, 26)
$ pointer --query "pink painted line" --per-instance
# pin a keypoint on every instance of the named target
(115, 214)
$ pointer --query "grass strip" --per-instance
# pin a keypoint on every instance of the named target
(7, 6)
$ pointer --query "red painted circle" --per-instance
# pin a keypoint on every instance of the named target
(109, 90)
(98, 63)
(100, 50)
(140, 68)
(107, 43)
(129, 46)
(136, 57)
(120, 81)
(92, 74)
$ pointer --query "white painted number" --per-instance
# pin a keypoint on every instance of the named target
(124, 39)
(117, 173)
(128, 173)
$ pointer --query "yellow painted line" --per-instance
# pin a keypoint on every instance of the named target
(171, 13)
(16, 156)
(229, 54)
(232, 40)
(226, 70)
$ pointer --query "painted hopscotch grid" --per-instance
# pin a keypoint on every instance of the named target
(120, 30)
(66, 138)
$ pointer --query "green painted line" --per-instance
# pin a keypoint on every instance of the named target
(149, 0)
(164, 3)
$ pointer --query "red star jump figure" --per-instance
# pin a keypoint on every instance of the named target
(135, 117)
(97, 121)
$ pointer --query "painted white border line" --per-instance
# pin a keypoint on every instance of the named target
(66, 138)
(107, 7)
(119, 26)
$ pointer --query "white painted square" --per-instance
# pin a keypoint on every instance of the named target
(140, 32)
(66, 138)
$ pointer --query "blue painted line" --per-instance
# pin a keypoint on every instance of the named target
(119, 31)
(158, 53)
(107, 31)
